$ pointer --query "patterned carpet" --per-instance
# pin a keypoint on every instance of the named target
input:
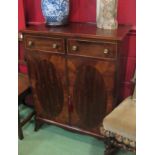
(52, 140)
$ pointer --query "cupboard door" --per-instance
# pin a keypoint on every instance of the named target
(48, 80)
(91, 86)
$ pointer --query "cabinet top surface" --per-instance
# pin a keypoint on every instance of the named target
(79, 30)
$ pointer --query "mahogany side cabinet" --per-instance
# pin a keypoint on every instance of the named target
(74, 72)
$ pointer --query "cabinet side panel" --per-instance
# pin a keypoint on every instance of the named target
(123, 51)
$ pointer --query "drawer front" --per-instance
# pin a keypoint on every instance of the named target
(92, 48)
(45, 44)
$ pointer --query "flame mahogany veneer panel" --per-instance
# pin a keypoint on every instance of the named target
(47, 76)
(91, 87)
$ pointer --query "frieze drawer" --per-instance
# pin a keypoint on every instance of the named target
(96, 49)
(45, 44)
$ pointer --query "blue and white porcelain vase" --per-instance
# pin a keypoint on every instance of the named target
(56, 12)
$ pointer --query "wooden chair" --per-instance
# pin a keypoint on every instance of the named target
(23, 90)
(119, 127)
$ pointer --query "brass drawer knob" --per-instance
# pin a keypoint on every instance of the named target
(74, 48)
(106, 51)
(55, 46)
(30, 43)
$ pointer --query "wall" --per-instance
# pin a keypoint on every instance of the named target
(85, 11)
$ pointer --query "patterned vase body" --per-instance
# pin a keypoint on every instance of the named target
(106, 14)
(56, 12)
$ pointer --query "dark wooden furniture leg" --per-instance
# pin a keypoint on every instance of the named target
(38, 124)
(20, 132)
(23, 90)
(20, 124)
(110, 148)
